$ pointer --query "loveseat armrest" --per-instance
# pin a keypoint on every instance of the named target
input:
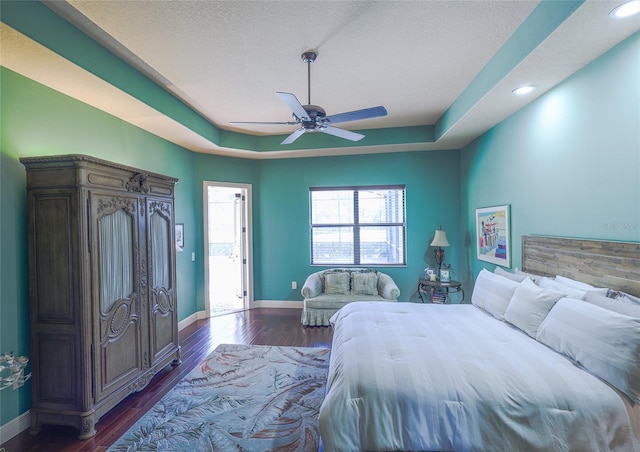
(312, 286)
(387, 288)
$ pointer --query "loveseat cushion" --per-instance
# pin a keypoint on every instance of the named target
(337, 283)
(364, 283)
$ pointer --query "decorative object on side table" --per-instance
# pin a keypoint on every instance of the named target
(492, 235)
(445, 273)
(439, 240)
(12, 371)
(430, 274)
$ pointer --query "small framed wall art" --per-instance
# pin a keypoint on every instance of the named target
(179, 236)
(493, 239)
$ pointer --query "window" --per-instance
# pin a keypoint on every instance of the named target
(357, 225)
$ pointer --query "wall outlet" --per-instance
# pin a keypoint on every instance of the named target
(193, 257)
(294, 285)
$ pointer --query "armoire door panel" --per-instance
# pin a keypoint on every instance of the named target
(53, 257)
(120, 360)
(161, 252)
(116, 274)
(60, 388)
(120, 348)
(162, 329)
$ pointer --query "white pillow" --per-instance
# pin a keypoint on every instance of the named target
(530, 305)
(492, 293)
(580, 285)
(627, 297)
(512, 276)
(621, 305)
(571, 292)
(604, 342)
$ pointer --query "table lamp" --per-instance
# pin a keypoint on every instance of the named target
(439, 240)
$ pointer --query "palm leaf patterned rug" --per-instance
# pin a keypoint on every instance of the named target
(241, 398)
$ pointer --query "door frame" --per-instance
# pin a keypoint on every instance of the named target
(248, 268)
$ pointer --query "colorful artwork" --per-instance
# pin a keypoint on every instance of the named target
(492, 235)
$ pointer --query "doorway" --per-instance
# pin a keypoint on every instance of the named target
(228, 247)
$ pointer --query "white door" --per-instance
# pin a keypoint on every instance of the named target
(227, 238)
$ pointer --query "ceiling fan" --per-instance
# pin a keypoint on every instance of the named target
(312, 118)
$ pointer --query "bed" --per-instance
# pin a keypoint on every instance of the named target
(503, 373)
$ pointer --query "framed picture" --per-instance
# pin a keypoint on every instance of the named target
(430, 273)
(493, 239)
(180, 235)
(445, 275)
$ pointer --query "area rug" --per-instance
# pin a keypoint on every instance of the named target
(241, 398)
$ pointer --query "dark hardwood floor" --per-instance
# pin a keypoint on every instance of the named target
(260, 326)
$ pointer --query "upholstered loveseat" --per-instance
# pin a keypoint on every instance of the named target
(326, 291)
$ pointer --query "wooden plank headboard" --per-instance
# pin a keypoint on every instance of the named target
(615, 265)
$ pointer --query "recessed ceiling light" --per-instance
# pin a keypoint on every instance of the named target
(523, 90)
(626, 9)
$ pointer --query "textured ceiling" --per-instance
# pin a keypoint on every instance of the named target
(423, 60)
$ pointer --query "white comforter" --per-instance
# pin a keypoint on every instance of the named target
(411, 377)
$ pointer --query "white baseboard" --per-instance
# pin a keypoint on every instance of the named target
(192, 318)
(278, 304)
(15, 427)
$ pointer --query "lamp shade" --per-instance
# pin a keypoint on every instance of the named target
(440, 238)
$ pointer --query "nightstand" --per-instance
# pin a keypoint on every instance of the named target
(438, 291)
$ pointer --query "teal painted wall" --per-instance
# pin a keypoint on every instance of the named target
(280, 211)
(39, 121)
(568, 163)
(432, 194)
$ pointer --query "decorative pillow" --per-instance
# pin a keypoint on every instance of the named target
(492, 293)
(517, 277)
(621, 305)
(604, 342)
(364, 283)
(572, 292)
(627, 297)
(530, 305)
(336, 283)
(580, 285)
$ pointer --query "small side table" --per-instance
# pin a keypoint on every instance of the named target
(429, 287)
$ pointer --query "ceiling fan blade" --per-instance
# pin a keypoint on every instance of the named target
(353, 136)
(295, 105)
(290, 123)
(355, 115)
(294, 136)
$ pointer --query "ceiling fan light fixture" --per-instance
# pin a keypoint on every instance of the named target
(309, 56)
(625, 9)
(522, 90)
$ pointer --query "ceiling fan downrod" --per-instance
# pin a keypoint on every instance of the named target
(309, 57)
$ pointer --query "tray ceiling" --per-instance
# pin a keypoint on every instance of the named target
(444, 70)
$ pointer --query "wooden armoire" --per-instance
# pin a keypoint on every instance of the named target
(102, 285)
